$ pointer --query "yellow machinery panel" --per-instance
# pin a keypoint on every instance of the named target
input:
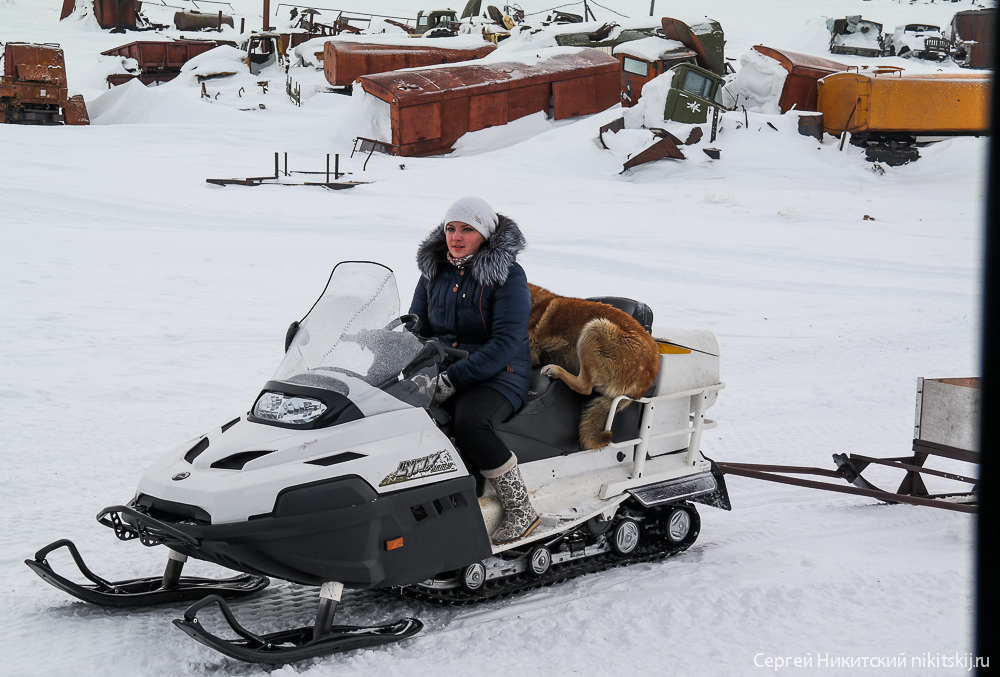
(889, 101)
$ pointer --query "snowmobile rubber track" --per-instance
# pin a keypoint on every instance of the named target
(137, 592)
(557, 573)
(288, 646)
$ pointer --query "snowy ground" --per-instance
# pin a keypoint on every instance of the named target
(141, 306)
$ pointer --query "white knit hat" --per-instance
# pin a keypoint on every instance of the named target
(475, 212)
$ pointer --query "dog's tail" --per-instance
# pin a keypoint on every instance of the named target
(595, 417)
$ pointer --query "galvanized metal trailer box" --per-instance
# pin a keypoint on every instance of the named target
(345, 62)
(430, 108)
(947, 413)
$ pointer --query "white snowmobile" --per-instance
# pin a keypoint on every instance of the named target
(343, 474)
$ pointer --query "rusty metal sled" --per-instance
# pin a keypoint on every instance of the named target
(946, 427)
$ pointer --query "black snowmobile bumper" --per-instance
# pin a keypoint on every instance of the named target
(393, 539)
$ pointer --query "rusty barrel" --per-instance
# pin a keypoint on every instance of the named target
(192, 20)
(811, 124)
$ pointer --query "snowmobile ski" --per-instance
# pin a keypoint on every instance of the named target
(289, 646)
(138, 592)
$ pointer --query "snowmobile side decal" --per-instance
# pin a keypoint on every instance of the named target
(437, 463)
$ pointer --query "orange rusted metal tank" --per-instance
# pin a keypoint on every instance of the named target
(887, 101)
(430, 108)
(804, 71)
(345, 62)
(158, 61)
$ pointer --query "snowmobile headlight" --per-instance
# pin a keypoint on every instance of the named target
(288, 408)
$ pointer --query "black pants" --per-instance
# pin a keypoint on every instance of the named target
(476, 412)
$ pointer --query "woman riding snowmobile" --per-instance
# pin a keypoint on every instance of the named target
(474, 296)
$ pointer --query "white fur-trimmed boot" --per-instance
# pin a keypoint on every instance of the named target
(520, 519)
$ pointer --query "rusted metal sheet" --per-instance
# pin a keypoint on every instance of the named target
(667, 147)
(709, 46)
(804, 71)
(75, 111)
(974, 32)
(431, 108)
(193, 20)
(35, 63)
(158, 61)
(117, 14)
(889, 101)
(69, 6)
(345, 62)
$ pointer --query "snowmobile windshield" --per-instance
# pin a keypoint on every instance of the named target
(351, 342)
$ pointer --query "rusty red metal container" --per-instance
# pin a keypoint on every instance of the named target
(431, 108)
(118, 14)
(345, 62)
(975, 32)
(158, 61)
(804, 71)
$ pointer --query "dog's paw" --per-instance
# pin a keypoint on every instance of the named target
(550, 370)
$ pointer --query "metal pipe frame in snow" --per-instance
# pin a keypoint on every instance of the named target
(741, 469)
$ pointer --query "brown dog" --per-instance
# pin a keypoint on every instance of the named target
(612, 353)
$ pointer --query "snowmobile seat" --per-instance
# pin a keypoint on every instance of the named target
(548, 423)
(642, 313)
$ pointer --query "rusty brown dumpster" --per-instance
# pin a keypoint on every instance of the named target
(345, 62)
(430, 108)
(804, 71)
(158, 61)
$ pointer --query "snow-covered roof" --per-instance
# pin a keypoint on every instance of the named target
(648, 49)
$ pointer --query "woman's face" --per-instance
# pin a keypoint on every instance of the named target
(463, 240)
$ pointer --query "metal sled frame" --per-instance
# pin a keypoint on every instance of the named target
(699, 424)
(849, 467)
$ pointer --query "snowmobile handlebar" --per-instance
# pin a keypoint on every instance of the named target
(433, 352)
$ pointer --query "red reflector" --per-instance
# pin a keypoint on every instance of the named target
(394, 543)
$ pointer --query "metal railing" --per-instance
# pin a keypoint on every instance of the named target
(696, 418)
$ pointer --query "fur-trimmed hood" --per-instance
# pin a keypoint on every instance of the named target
(490, 264)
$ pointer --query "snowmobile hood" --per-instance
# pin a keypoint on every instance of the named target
(242, 470)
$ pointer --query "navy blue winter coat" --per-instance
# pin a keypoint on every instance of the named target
(482, 308)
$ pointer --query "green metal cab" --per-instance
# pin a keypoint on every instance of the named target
(694, 91)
